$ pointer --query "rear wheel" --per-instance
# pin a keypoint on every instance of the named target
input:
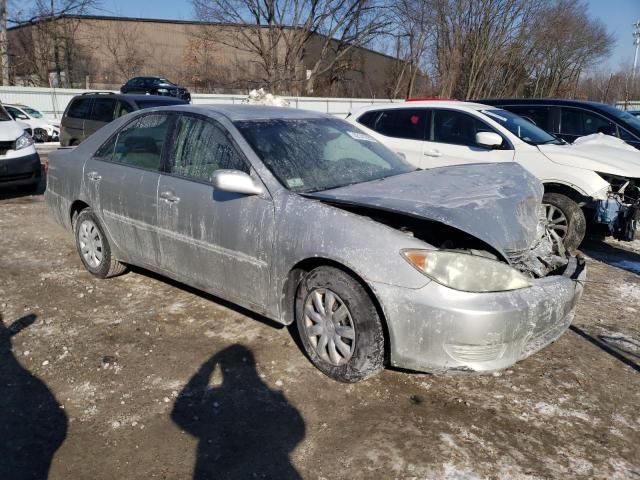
(339, 325)
(93, 247)
(565, 223)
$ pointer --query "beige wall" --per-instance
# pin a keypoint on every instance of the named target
(203, 58)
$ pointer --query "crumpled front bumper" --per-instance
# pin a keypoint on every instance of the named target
(438, 329)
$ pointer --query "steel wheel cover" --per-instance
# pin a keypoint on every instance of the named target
(329, 326)
(90, 241)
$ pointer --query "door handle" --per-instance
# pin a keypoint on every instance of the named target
(169, 197)
(432, 153)
(94, 176)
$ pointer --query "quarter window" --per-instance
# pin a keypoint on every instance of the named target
(140, 143)
(457, 128)
(201, 148)
(79, 108)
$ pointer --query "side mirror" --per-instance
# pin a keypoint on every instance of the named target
(235, 181)
(488, 139)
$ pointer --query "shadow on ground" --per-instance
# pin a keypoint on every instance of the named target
(244, 429)
(611, 255)
(32, 423)
(610, 345)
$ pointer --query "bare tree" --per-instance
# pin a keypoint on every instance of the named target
(125, 48)
(292, 42)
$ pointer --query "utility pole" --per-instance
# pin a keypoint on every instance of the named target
(4, 45)
(636, 42)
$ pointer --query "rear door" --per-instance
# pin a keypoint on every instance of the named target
(452, 140)
(122, 182)
(102, 112)
(72, 124)
(216, 240)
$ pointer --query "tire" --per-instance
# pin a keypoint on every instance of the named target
(91, 239)
(565, 219)
(358, 350)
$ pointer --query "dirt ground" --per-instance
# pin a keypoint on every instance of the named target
(139, 377)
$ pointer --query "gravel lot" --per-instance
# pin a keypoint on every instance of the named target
(139, 377)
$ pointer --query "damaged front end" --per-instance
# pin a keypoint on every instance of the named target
(619, 213)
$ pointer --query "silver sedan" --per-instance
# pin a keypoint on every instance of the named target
(303, 218)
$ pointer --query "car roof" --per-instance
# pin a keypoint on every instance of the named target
(544, 101)
(252, 112)
(455, 104)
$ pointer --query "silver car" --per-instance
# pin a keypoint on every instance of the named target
(303, 218)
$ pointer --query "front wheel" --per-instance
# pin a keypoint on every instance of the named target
(339, 325)
(565, 224)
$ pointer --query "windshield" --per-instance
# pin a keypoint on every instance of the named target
(33, 113)
(628, 118)
(309, 155)
(523, 128)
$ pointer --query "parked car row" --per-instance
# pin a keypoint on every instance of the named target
(585, 186)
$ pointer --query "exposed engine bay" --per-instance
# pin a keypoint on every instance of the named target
(537, 261)
(621, 211)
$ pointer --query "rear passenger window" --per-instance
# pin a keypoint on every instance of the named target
(407, 123)
(103, 109)
(368, 119)
(140, 143)
(579, 122)
(201, 148)
(457, 128)
(79, 108)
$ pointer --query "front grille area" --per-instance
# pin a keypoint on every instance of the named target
(631, 193)
(4, 146)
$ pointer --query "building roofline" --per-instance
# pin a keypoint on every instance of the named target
(37, 20)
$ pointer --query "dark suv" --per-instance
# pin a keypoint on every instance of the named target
(90, 111)
(570, 119)
(155, 86)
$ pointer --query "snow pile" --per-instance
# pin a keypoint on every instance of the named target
(260, 97)
(602, 140)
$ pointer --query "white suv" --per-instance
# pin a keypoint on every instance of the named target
(595, 186)
(19, 161)
(44, 129)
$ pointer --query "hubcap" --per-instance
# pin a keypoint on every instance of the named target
(556, 225)
(90, 243)
(329, 326)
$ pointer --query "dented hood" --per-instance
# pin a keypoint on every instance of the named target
(496, 203)
(599, 158)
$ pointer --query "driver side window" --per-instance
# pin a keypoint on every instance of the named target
(457, 128)
(201, 148)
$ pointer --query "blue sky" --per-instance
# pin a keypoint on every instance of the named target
(617, 15)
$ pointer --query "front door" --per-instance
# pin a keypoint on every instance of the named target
(453, 142)
(219, 241)
(122, 183)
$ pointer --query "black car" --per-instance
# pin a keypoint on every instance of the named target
(90, 111)
(570, 119)
(155, 86)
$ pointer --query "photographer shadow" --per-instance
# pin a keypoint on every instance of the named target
(244, 429)
(32, 423)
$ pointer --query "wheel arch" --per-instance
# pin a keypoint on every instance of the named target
(292, 282)
(567, 190)
(76, 207)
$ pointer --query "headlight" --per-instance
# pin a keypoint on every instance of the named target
(24, 141)
(466, 272)
(163, 90)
